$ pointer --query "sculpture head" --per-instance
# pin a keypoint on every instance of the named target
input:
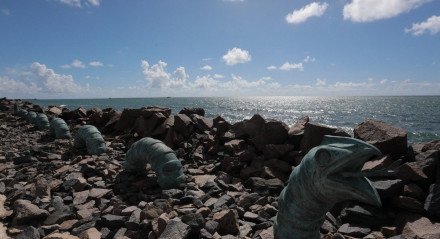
(170, 174)
(335, 166)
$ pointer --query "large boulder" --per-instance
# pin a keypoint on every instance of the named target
(127, 119)
(261, 132)
(145, 127)
(296, 130)
(25, 212)
(183, 124)
(314, 133)
(190, 111)
(389, 139)
(421, 227)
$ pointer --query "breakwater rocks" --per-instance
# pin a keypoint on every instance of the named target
(50, 189)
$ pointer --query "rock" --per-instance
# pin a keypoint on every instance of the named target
(354, 231)
(267, 233)
(432, 202)
(3, 212)
(29, 232)
(223, 200)
(296, 131)
(235, 145)
(365, 215)
(421, 228)
(408, 204)
(54, 110)
(227, 222)
(314, 133)
(388, 188)
(195, 221)
(150, 110)
(3, 232)
(183, 124)
(190, 111)
(175, 229)
(389, 139)
(418, 171)
(58, 235)
(276, 151)
(98, 192)
(261, 131)
(378, 163)
(203, 123)
(80, 197)
(25, 212)
(389, 231)
(414, 191)
(127, 119)
(433, 145)
(112, 221)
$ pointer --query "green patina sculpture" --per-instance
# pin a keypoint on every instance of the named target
(42, 122)
(328, 173)
(161, 158)
(21, 113)
(88, 137)
(59, 129)
(31, 117)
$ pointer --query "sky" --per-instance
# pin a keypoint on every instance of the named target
(120, 48)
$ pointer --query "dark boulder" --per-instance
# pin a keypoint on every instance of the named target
(190, 111)
(314, 133)
(388, 138)
(296, 131)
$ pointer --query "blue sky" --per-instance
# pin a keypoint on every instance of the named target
(102, 48)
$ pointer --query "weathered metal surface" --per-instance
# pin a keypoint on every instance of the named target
(328, 174)
(88, 137)
(59, 129)
(161, 158)
(42, 122)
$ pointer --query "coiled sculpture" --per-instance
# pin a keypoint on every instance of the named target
(31, 117)
(88, 137)
(162, 159)
(59, 129)
(328, 173)
(42, 122)
(21, 113)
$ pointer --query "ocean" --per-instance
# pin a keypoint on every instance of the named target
(418, 115)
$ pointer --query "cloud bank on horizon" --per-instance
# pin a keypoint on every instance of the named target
(358, 47)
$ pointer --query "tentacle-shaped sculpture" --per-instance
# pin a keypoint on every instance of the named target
(161, 158)
(31, 117)
(15, 109)
(42, 122)
(59, 129)
(21, 113)
(89, 137)
(328, 173)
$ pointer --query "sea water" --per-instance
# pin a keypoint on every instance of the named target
(418, 115)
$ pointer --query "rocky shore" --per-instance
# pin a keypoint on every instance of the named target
(50, 190)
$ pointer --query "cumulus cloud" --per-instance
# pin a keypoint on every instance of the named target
(308, 59)
(75, 64)
(235, 56)
(320, 82)
(158, 76)
(291, 66)
(8, 85)
(80, 3)
(6, 12)
(431, 25)
(314, 9)
(218, 76)
(96, 63)
(372, 10)
(271, 68)
(54, 82)
(206, 68)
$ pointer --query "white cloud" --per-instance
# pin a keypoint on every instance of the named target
(372, 10)
(272, 67)
(8, 85)
(95, 2)
(205, 82)
(206, 59)
(320, 82)
(236, 56)
(308, 59)
(431, 25)
(158, 77)
(54, 82)
(218, 76)
(291, 66)
(313, 9)
(80, 3)
(206, 68)
(75, 64)
(384, 81)
(96, 63)
(6, 12)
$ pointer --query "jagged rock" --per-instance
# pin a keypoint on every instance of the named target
(29, 232)
(64, 235)
(175, 229)
(421, 227)
(91, 233)
(145, 127)
(408, 204)
(25, 212)
(389, 139)
(414, 191)
(54, 110)
(432, 202)
(183, 124)
(296, 131)
(112, 221)
(190, 111)
(388, 188)
(127, 119)
(3, 212)
(314, 133)
(365, 215)
(354, 231)
(227, 222)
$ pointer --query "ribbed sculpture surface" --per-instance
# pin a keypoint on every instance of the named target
(42, 122)
(88, 137)
(328, 174)
(21, 113)
(31, 117)
(162, 159)
(59, 129)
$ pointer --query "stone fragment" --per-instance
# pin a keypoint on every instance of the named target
(432, 202)
(388, 188)
(25, 212)
(227, 222)
(57, 235)
(296, 131)
(190, 111)
(389, 139)
(408, 204)
(354, 231)
(421, 227)
(175, 229)
(3, 211)
(29, 232)
(98, 192)
(314, 133)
